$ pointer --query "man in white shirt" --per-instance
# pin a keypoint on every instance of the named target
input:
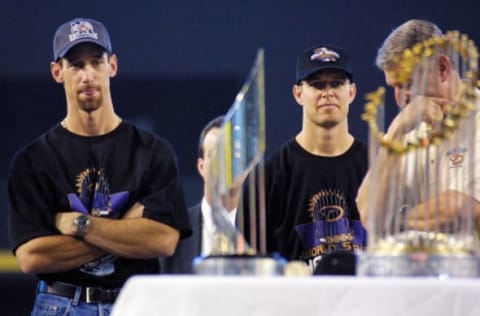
(438, 181)
(202, 240)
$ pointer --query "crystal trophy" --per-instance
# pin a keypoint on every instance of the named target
(238, 159)
(411, 230)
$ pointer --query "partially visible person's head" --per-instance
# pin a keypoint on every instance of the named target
(215, 123)
(433, 77)
(404, 36)
(207, 141)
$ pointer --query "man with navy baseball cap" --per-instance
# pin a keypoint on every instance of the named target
(80, 30)
(312, 180)
(95, 199)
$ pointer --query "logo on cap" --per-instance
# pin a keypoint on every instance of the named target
(81, 29)
(324, 54)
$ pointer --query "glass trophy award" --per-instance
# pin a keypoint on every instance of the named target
(424, 171)
(238, 159)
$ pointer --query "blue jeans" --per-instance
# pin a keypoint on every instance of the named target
(51, 305)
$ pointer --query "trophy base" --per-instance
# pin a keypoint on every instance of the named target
(418, 264)
(239, 265)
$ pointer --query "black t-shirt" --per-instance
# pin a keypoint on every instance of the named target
(311, 201)
(102, 176)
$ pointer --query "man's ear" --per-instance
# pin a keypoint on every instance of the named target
(56, 71)
(444, 67)
(352, 92)
(113, 65)
(201, 167)
(297, 93)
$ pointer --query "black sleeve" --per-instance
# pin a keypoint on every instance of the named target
(164, 200)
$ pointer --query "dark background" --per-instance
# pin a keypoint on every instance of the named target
(181, 63)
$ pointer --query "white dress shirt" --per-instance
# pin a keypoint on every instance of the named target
(209, 228)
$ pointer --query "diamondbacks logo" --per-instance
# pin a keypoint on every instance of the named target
(93, 197)
(328, 205)
(81, 29)
(325, 55)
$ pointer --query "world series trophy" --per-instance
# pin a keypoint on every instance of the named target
(410, 231)
(237, 160)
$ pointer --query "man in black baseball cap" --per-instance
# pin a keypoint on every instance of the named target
(312, 180)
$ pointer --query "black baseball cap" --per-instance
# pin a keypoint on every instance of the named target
(315, 59)
(80, 30)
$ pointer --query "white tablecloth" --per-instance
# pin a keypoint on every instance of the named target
(298, 296)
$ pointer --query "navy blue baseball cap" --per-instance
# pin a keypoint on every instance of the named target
(80, 30)
(315, 59)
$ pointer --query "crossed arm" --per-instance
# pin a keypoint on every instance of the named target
(131, 237)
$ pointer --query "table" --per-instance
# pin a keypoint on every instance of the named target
(281, 295)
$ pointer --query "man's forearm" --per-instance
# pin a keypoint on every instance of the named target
(50, 254)
(443, 210)
(139, 238)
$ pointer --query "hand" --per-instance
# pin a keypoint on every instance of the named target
(419, 109)
(439, 223)
(443, 212)
(65, 222)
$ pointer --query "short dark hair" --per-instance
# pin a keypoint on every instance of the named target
(215, 123)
